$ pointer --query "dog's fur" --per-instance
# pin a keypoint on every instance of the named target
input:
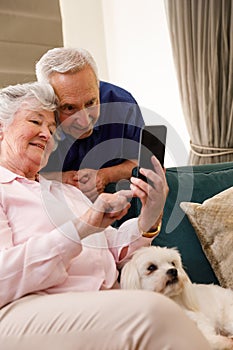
(210, 306)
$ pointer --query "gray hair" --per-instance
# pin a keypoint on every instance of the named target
(64, 60)
(34, 96)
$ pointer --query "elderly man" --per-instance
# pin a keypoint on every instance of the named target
(100, 123)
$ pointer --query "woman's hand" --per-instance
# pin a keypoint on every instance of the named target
(105, 210)
(152, 196)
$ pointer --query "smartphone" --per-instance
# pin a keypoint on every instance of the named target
(152, 142)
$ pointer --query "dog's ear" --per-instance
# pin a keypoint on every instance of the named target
(189, 297)
(130, 278)
(1, 131)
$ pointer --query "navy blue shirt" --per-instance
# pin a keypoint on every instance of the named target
(115, 136)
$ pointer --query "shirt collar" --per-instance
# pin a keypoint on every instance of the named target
(7, 176)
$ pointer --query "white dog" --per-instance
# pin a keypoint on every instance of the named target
(210, 306)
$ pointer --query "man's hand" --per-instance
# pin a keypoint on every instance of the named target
(70, 177)
(91, 182)
(152, 196)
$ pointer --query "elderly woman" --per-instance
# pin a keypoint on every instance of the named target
(58, 253)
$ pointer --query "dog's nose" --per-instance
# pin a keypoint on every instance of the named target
(172, 272)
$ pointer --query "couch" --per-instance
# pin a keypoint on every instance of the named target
(191, 184)
(194, 184)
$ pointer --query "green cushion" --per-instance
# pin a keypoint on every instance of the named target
(195, 184)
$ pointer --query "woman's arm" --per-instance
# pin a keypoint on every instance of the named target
(37, 264)
(42, 260)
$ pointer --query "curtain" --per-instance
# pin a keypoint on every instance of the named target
(28, 28)
(201, 33)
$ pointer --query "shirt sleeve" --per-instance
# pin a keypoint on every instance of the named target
(36, 264)
(128, 237)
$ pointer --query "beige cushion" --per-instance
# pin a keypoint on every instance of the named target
(213, 223)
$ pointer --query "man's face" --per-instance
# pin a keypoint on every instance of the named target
(78, 95)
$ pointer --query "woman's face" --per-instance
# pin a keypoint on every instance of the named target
(28, 140)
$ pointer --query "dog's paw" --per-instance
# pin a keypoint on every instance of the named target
(231, 342)
(220, 342)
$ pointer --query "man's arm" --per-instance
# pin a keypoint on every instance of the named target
(68, 177)
(93, 182)
(118, 172)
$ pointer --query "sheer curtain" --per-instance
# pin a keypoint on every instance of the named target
(201, 33)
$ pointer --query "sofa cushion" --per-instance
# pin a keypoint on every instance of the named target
(195, 184)
(213, 223)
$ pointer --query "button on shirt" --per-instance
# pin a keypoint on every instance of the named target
(40, 249)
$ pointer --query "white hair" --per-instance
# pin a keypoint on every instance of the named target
(34, 96)
(64, 60)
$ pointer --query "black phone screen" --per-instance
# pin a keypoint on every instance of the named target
(152, 142)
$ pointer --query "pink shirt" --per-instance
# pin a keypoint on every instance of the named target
(40, 249)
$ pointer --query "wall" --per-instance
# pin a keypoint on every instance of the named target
(28, 28)
(130, 42)
(83, 26)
